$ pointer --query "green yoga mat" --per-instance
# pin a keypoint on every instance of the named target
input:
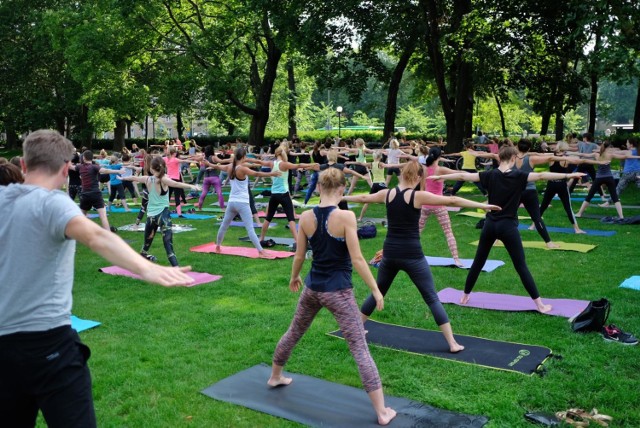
(564, 246)
(508, 356)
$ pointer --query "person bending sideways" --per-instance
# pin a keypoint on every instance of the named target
(43, 363)
(505, 185)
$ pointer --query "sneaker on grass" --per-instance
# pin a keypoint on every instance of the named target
(612, 333)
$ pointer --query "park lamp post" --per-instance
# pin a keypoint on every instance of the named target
(339, 111)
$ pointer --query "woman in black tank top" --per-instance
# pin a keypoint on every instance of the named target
(402, 249)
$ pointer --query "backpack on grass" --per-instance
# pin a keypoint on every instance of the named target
(593, 317)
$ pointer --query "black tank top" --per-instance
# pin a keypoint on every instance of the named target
(318, 158)
(331, 265)
(403, 237)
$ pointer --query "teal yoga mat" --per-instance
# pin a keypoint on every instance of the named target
(525, 227)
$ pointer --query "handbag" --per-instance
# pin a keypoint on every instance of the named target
(367, 230)
(593, 317)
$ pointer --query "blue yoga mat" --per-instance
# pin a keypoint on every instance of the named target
(194, 216)
(581, 199)
(121, 210)
(79, 324)
(570, 230)
(489, 266)
(632, 283)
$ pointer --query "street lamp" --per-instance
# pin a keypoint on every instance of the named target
(339, 111)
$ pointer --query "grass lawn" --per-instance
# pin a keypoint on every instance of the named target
(157, 348)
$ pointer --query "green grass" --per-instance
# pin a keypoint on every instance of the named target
(159, 347)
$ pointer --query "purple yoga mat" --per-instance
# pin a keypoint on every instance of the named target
(198, 277)
(506, 302)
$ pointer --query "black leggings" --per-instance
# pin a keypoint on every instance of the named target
(606, 181)
(145, 202)
(162, 221)
(178, 193)
(591, 171)
(505, 230)
(558, 188)
(529, 199)
(419, 272)
(280, 199)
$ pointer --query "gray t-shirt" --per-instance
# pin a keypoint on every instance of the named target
(36, 267)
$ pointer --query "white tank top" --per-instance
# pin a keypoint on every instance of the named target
(239, 190)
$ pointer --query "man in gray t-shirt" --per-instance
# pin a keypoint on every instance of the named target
(43, 362)
(586, 147)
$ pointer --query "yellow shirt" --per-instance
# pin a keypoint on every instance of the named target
(469, 160)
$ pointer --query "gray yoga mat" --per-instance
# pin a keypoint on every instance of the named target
(320, 403)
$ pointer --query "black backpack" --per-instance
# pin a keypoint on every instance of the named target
(367, 230)
(593, 317)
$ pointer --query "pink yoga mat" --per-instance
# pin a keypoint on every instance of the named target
(250, 252)
(506, 302)
(198, 277)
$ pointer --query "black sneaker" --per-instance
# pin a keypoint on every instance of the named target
(612, 333)
(148, 256)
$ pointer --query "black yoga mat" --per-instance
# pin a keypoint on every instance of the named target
(319, 403)
(278, 240)
(508, 356)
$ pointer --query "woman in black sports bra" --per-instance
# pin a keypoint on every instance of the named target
(402, 249)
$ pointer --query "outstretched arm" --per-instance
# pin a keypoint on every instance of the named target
(426, 198)
(171, 183)
(375, 198)
(115, 250)
(136, 178)
(535, 176)
(457, 176)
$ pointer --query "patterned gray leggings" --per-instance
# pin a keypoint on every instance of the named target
(342, 304)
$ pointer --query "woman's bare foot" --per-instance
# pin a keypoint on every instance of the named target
(217, 248)
(465, 299)
(579, 231)
(386, 416)
(458, 262)
(456, 347)
(532, 227)
(543, 309)
(552, 245)
(604, 204)
(278, 381)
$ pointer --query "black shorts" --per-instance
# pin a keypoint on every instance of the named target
(283, 199)
(377, 187)
(360, 169)
(45, 371)
(391, 171)
(90, 200)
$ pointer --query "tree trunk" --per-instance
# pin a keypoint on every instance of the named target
(463, 105)
(394, 87)
(60, 124)
(179, 125)
(12, 138)
(86, 132)
(501, 112)
(636, 116)
(559, 125)
(293, 100)
(546, 119)
(118, 134)
(129, 129)
(592, 104)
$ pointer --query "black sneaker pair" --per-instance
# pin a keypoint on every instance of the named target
(612, 333)
(268, 243)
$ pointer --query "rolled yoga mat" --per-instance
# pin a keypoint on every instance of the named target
(566, 308)
(570, 230)
(249, 252)
(198, 277)
(319, 403)
(564, 246)
(509, 356)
